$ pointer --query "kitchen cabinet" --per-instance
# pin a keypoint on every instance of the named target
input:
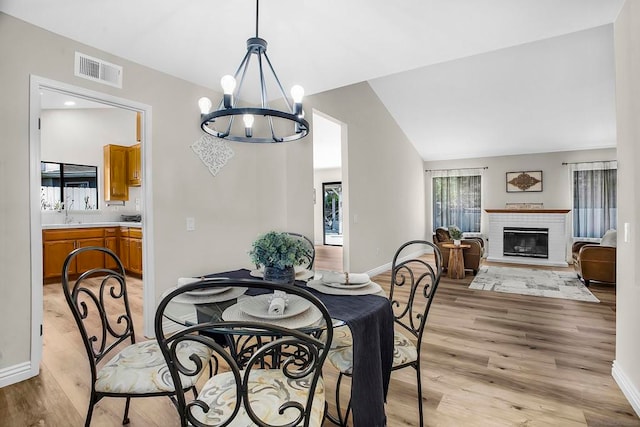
(135, 250)
(125, 242)
(53, 256)
(139, 126)
(116, 186)
(131, 249)
(87, 261)
(134, 166)
(57, 243)
(123, 246)
(111, 242)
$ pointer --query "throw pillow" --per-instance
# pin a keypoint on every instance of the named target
(610, 238)
(442, 234)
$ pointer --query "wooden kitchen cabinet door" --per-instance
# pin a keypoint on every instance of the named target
(53, 255)
(111, 243)
(87, 261)
(125, 243)
(134, 166)
(135, 256)
(116, 187)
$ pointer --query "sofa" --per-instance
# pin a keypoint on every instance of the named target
(472, 256)
(596, 261)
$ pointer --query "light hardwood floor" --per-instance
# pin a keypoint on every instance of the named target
(328, 258)
(489, 359)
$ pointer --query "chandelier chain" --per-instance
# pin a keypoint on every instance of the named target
(257, 16)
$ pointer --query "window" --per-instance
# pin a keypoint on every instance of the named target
(332, 213)
(68, 186)
(457, 199)
(594, 198)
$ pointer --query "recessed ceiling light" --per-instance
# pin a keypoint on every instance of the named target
(69, 103)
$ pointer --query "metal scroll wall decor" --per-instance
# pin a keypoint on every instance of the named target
(524, 181)
(214, 152)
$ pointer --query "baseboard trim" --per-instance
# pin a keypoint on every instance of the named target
(628, 389)
(16, 373)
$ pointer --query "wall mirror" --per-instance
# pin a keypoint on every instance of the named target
(68, 186)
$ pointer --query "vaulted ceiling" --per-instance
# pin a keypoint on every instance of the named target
(463, 78)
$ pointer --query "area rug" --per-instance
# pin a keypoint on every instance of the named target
(525, 281)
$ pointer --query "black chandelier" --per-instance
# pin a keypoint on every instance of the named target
(276, 126)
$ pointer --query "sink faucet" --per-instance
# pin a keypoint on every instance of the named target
(67, 206)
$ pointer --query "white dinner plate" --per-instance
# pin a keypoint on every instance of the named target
(305, 319)
(371, 288)
(300, 275)
(210, 291)
(349, 286)
(192, 298)
(258, 306)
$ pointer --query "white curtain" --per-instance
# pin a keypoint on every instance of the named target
(457, 198)
(594, 194)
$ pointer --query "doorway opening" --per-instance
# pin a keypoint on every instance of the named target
(331, 190)
(332, 213)
(83, 210)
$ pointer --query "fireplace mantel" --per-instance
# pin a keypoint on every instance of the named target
(533, 211)
(555, 220)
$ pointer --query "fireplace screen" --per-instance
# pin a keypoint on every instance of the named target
(526, 242)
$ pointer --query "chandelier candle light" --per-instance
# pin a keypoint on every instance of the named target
(219, 123)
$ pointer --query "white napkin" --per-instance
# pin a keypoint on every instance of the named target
(182, 281)
(353, 278)
(278, 302)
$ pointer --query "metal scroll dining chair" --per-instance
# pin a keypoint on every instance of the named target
(100, 305)
(312, 249)
(275, 382)
(414, 282)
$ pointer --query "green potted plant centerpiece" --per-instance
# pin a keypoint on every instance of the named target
(456, 234)
(278, 252)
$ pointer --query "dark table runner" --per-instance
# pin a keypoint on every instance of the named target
(370, 319)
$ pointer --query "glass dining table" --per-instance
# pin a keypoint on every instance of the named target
(368, 316)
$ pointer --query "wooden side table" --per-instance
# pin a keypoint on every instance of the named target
(456, 260)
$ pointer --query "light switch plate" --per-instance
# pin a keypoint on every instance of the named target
(191, 223)
(627, 232)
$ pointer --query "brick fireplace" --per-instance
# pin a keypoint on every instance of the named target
(550, 224)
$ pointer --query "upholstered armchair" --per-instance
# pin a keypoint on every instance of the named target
(593, 261)
(472, 256)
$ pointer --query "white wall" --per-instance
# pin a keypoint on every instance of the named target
(556, 186)
(626, 369)
(321, 176)
(382, 177)
(78, 135)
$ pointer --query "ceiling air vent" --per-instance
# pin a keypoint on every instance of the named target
(98, 70)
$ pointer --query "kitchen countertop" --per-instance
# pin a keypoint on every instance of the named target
(93, 225)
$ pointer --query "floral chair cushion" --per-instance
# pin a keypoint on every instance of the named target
(341, 353)
(140, 368)
(268, 390)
